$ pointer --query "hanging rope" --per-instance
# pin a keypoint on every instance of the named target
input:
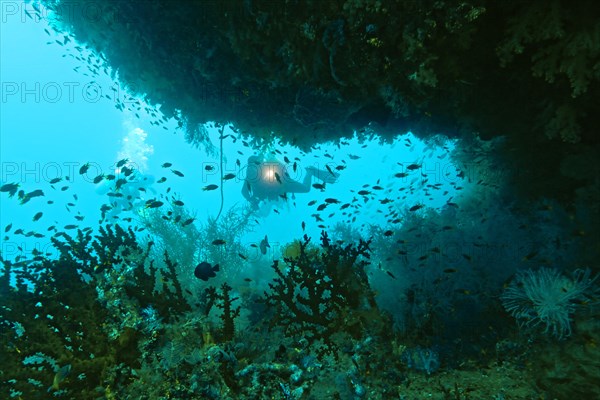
(221, 169)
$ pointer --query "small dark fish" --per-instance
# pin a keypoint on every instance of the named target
(7, 227)
(277, 177)
(55, 180)
(152, 203)
(161, 180)
(60, 376)
(401, 175)
(98, 178)
(166, 165)
(312, 203)
(122, 162)
(25, 197)
(178, 203)
(68, 227)
(412, 167)
(450, 270)
(37, 216)
(303, 226)
(264, 244)
(415, 208)
(364, 192)
(322, 207)
(390, 274)
(11, 188)
(353, 157)
(388, 233)
(218, 242)
(187, 222)
(210, 187)
(243, 257)
(227, 177)
(319, 186)
(205, 271)
(209, 168)
(84, 168)
(177, 173)
(120, 182)
(332, 201)
(529, 256)
(127, 171)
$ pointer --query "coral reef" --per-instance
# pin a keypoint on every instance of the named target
(224, 301)
(415, 310)
(319, 296)
(90, 308)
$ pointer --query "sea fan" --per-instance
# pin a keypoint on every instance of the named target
(547, 297)
(173, 353)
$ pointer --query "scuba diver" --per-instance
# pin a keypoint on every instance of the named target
(269, 181)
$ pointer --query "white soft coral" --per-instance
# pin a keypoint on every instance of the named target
(548, 297)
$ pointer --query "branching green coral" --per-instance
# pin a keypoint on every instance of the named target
(84, 309)
(320, 294)
(224, 301)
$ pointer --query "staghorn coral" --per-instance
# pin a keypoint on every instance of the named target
(68, 327)
(325, 293)
(85, 309)
(224, 301)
